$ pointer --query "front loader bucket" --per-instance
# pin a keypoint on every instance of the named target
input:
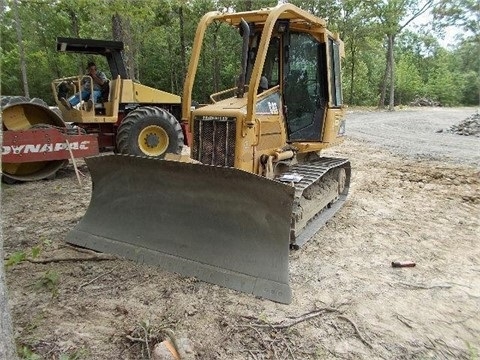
(224, 226)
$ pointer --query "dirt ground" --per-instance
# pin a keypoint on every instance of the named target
(414, 196)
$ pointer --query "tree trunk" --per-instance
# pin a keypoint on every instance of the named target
(21, 50)
(174, 86)
(7, 342)
(183, 47)
(383, 92)
(76, 33)
(391, 60)
(121, 31)
(117, 32)
(74, 19)
(352, 73)
(215, 62)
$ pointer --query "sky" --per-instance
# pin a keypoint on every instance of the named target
(451, 32)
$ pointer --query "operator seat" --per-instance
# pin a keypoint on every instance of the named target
(104, 97)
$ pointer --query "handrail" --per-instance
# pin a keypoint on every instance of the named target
(77, 82)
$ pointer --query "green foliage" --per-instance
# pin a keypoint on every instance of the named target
(409, 83)
(16, 258)
(35, 251)
(470, 88)
(19, 256)
(463, 13)
(46, 242)
(161, 32)
(26, 353)
(78, 354)
(443, 83)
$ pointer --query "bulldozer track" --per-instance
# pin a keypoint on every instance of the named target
(313, 174)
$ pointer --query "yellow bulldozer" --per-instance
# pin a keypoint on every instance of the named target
(255, 185)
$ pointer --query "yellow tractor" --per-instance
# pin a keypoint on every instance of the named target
(130, 118)
(255, 185)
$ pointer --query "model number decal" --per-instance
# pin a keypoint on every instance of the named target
(216, 118)
(42, 148)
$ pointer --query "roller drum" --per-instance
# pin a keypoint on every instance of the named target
(20, 113)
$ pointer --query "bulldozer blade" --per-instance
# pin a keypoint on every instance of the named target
(221, 225)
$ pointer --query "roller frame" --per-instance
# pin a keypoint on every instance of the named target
(45, 145)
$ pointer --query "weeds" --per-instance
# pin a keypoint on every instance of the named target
(26, 353)
(16, 258)
(49, 281)
(32, 253)
(19, 256)
(78, 354)
(148, 335)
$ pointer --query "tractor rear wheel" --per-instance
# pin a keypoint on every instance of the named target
(149, 131)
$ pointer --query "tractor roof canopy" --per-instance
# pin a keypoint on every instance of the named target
(112, 50)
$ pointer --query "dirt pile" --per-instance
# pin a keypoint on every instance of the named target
(468, 127)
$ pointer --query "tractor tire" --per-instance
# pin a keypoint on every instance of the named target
(149, 131)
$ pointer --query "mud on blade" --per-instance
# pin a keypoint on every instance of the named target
(221, 225)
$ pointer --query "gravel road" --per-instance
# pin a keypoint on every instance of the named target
(393, 130)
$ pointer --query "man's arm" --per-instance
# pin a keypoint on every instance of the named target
(99, 78)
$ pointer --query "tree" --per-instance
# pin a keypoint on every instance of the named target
(390, 14)
(466, 15)
(444, 82)
(121, 31)
(23, 62)
(462, 13)
(408, 81)
(7, 343)
(354, 26)
(158, 37)
(467, 62)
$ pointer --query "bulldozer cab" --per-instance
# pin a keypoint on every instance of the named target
(297, 60)
(297, 63)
